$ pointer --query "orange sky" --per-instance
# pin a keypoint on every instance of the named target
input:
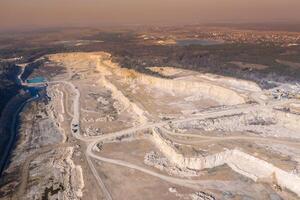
(49, 13)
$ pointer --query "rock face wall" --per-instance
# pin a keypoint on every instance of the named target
(220, 94)
(266, 122)
(73, 173)
(105, 66)
(238, 84)
(182, 161)
(118, 95)
(258, 169)
(242, 163)
(289, 120)
(58, 177)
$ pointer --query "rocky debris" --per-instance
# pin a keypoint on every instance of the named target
(287, 151)
(91, 131)
(221, 94)
(98, 147)
(103, 105)
(202, 196)
(52, 173)
(242, 163)
(45, 132)
(40, 125)
(89, 120)
(102, 100)
(126, 103)
(129, 137)
(172, 190)
(58, 177)
(175, 163)
(107, 118)
(294, 108)
(195, 196)
(155, 160)
(281, 94)
(285, 91)
(265, 122)
(118, 106)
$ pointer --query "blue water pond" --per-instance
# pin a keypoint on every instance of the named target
(36, 80)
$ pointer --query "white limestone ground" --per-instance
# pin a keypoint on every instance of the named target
(266, 122)
(284, 150)
(117, 94)
(239, 161)
(223, 95)
(43, 154)
(162, 163)
(56, 172)
(230, 93)
(58, 168)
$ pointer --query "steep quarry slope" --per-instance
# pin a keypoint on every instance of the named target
(203, 87)
(42, 162)
(117, 94)
(76, 61)
(245, 164)
(266, 122)
(59, 177)
(238, 85)
(227, 91)
(104, 64)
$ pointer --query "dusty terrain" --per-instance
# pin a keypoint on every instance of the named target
(180, 135)
(108, 131)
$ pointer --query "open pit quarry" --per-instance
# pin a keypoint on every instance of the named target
(109, 132)
(237, 160)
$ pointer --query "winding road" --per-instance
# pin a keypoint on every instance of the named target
(194, 184)
(91, 141)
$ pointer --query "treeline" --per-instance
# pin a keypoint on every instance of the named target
(8, 82)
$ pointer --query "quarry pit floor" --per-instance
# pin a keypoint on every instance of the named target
(176, 135)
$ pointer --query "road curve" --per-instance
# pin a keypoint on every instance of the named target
(93, 140)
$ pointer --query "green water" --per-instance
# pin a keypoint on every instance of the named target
(36, 80)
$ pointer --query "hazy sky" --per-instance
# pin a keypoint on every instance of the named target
(46, 13)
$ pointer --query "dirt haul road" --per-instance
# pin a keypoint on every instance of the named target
(92, 141)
